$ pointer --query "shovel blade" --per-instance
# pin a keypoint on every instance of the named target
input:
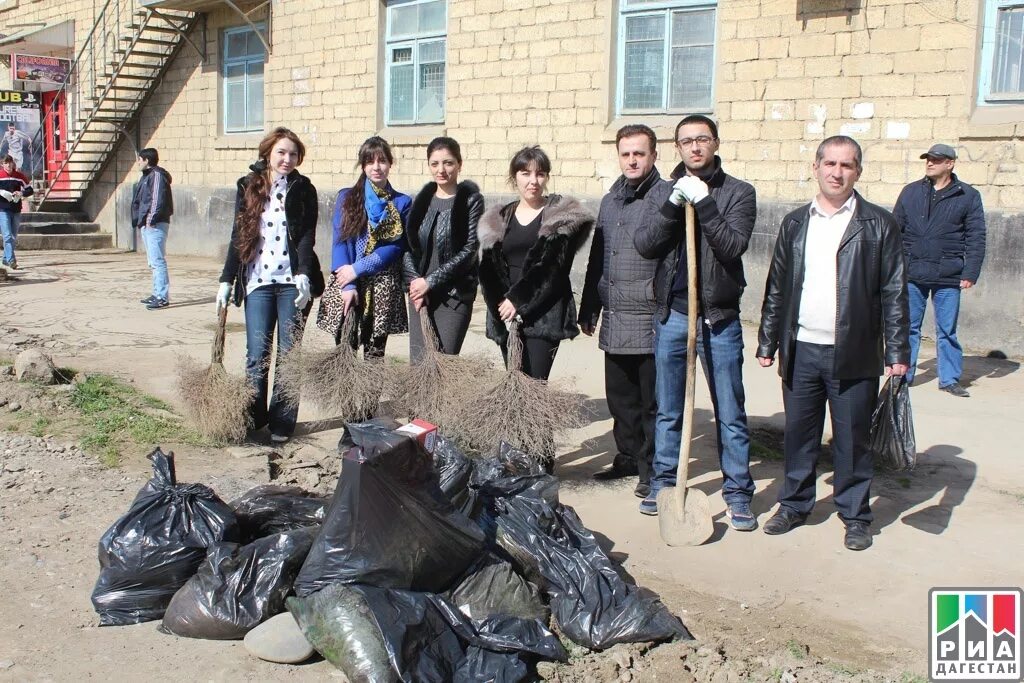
(687, 525)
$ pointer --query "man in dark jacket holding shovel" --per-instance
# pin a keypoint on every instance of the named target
(726, 209)
(620, 290)
(943, 225)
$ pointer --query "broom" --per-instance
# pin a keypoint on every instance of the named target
(335, 381)
(524, 412)
(434, 388)
(215, 401)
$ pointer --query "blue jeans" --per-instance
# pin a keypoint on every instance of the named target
(270, 308)
(10, 222)
(155, 239)
(946, 306)
(721, 355)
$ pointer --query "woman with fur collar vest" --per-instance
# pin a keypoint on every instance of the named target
(272, 268)
(526, 252)
(441, 242)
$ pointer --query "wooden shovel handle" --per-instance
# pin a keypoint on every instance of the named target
(692, 319)
(217, 351)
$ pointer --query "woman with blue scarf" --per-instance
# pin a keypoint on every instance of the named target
(369, 238)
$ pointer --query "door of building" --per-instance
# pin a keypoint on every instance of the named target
(55, 126)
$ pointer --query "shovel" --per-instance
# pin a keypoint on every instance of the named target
(684, 516)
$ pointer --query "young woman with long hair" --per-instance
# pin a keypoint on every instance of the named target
(526, 253)
(440, 264)
(369, 238)
(272, 267)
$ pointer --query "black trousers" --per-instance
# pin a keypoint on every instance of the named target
(630, 392)
(850, 403)
(538, 357)
(451, 322)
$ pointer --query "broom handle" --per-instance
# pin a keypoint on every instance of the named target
(682, 470)
(217, 351)
(515, 348)
(429, 334)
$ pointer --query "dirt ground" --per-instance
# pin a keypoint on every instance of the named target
(793, 608)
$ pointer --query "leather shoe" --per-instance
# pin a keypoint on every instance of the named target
(956, 389)
(782, 521)
(858, 536)
(615, 472)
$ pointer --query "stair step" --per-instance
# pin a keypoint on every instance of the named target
(70, 216)
(118, 86)
(133, 77)
(142, 53)
(149, 41)
(134, 65)
(58, 228)
(55, 205)
(150, 27)
(86, 242)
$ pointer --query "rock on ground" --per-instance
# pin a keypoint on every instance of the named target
(33, 365)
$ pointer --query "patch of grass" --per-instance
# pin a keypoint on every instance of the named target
(903, 482)
(908, 677)
(38, 428)
(843, 670)
(776, 675)
(114, 418)
(797, 650)
(763, 452)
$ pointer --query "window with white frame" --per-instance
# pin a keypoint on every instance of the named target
(666, 56)
(242, 76)
(415, 38)
(1002, 53)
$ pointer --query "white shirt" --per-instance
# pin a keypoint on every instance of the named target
(272, 264)
(816, 322)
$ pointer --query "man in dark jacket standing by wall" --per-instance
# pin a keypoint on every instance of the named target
(620, 284)
(152, 207)
(726, 209)
(835, 310)
(943, 225)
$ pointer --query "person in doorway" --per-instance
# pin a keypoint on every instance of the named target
(943, 224)
(835, 310)
(272, 268)
(440, 263)
(152, 208)
(619, 290)
(14, 186)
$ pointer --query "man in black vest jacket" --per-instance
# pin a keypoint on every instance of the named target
(726, 209)
(943, 225)
(835, 310)
(152, 208)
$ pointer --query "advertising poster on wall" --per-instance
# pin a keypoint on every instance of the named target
(47, 72)
(19, 130)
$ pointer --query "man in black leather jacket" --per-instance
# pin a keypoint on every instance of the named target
(835, 309)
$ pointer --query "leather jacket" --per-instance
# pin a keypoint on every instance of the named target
(872, 313)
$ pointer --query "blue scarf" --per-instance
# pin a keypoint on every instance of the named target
(376, 206)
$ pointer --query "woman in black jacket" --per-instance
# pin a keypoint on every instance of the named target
(440, 263)
(526, 253)
(272, 267)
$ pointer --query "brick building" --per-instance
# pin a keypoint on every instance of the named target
(497, 74)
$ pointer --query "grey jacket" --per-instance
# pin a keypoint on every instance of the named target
(620, 282)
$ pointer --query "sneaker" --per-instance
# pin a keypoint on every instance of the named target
(279, 438)
(858, 536)
(740, 516)
(13, 264)
(956, 389)
(649, 505)
(148, 300)
(157, 303)
(642, 490)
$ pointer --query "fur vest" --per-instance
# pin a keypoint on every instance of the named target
(543, 294)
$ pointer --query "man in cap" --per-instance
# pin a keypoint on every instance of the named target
(943, 225)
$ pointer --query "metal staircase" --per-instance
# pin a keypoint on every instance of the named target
(116, 69)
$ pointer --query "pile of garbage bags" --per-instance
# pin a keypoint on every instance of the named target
(421, 567)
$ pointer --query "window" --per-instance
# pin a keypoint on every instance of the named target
(666, 56)
(415, 37)
(242, 75)
(1002, 53)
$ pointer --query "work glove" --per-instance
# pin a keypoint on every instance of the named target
(9, 196)
(223, 293)
(304, 296)
(690, 189)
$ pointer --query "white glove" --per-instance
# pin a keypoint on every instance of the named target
(223, 292)
(688, 188)
(304, 296)
(9, 196)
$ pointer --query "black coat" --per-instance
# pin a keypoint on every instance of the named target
(543, 295)
(301, 210)
(725, 221)
(155, 183)
(872, 314)
(620, 281)
(943, 240)
(456, 242)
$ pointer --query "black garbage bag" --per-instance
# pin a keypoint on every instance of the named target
(378, 634)
(454, 470)
(491, 587)
(155, 547)
(238, 587)
(508, 461)
(590, 601)
(892, 427)
(270, 509)
(389, 524)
